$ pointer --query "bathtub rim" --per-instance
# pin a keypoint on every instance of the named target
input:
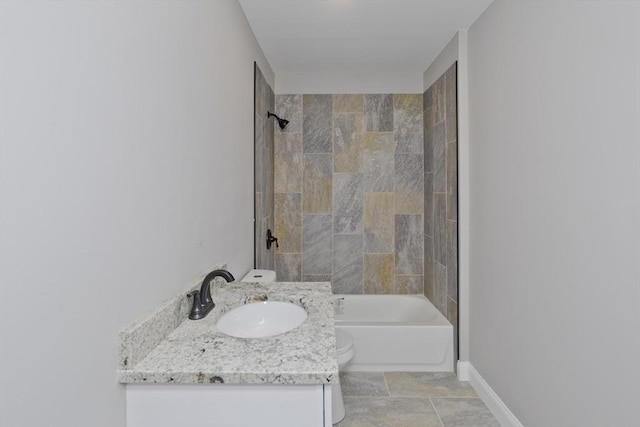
(439, 321)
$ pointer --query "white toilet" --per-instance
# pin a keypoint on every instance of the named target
(260, 276)
(344, 347)
(344, 351)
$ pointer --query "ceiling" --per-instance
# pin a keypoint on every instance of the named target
(356, 36)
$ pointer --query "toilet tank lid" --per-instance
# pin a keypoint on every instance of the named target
(260, 276)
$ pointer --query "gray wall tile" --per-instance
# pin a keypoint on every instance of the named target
(288, 267)
(288, 162)
(379, 161)
(264, 171)
(316, 278)
(441, 195)
(452, 180)
(452, 260)
(378, 113)
(362, 190)
(317, 183)
(440, 228)
(289, 107)
(452, 316)
(409, 244)
(347, 264)
(408, 131)
(260, 85)
(428, 141)
(439, 160)
(427, 99)
(347, 203)
(259, 233)
(267, 254)
(440, 281)
(429, 275)
(317, 121)
(438, 101)
(409, 183)
(316, 244)
(451, 110)
(428, 204)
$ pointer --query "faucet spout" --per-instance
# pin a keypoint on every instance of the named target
(205, 289)
(202, 301)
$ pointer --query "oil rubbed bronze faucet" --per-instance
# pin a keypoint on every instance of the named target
(202, 301)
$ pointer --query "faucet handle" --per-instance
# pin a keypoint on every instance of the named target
(271, 239)
(196, 308)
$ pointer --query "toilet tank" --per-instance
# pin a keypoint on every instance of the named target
(254, 276)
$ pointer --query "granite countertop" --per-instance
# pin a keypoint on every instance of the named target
(195, 352)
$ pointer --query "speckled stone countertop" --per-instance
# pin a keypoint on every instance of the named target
(197, 353)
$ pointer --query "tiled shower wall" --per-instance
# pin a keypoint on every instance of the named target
(264, 170)
(441, 196)
(349, 195)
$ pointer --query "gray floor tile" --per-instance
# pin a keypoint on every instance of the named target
(363, 384)
(389, 412)
(464, 412)
(425, 399)
(427, 384)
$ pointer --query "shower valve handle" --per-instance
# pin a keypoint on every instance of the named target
(271, 239)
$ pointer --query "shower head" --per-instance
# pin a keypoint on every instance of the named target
(282, 122)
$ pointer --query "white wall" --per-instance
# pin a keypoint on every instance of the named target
(441, 63)
(555, 209)
(126, 171)
(373, 82)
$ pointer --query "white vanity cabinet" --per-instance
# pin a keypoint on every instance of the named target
(228, 405)
(183, 373)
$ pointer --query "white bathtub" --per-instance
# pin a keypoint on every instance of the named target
(395, 333)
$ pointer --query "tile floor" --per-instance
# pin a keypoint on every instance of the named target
(411, 399)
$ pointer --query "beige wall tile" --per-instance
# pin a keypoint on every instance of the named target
(317, 183)
(378, 274)
(409, 284)
(379, 161)
(348, 103)
(379, 223)
(347, 142)
(288, 222)
(288, 162)
(288, 267)
(408, 102)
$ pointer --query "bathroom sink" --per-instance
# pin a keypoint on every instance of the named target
(261, 319)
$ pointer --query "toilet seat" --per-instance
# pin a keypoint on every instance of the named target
(344, 348)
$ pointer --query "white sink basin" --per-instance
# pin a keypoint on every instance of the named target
(261, 319)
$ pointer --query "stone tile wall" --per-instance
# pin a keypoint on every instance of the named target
(264, 170)
(349, 195)
(441, 196)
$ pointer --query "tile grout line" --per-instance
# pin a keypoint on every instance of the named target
(384, 377)
(436, 411)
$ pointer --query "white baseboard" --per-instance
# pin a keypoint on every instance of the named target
(466, 372)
